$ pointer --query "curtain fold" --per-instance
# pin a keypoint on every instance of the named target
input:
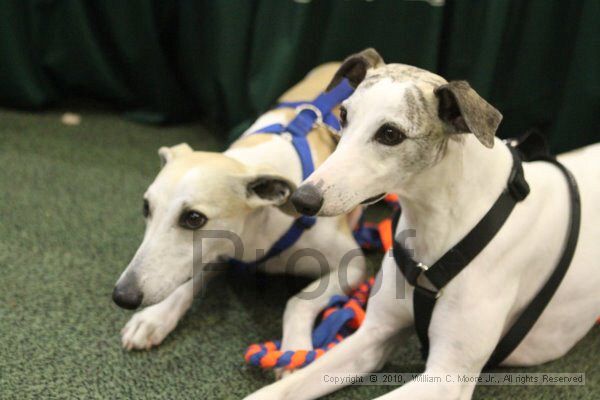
(225, 61)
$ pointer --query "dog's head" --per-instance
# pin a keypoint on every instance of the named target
(195, 194)
(396, 125)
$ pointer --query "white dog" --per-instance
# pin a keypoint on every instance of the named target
(396, 140)
(236, 194)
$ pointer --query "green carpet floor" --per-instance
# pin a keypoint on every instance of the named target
(70, 220)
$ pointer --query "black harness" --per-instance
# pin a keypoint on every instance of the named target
(528, 148)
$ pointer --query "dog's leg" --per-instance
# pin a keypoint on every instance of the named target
(151, 326)
(387, 313)
(463, 333)
(302, 309)
(300, 313)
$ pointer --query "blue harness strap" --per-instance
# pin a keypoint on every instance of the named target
(290, 237)
(320, 110)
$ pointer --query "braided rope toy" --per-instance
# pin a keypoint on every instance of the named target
(340, 319)
(342, 316)
(377, 236)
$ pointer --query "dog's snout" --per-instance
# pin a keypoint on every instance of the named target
(127, 296)
(307, 199)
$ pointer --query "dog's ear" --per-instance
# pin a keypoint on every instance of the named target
(268, 190)
(167, 154)
(355, 67)
(465, 111)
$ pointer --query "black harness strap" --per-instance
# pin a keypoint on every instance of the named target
(532, 312)
(457, 258)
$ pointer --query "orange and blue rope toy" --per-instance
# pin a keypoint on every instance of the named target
(341, 318)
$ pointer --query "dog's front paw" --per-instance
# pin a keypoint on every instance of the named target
(147, 328)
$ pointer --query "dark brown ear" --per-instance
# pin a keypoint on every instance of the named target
(465, 111)
(355, 67)
(268, 190)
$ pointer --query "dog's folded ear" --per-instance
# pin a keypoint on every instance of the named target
(466, 112)
(167, 154)
(355, 67)
(268, 190)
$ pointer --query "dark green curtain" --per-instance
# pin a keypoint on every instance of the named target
(226, 61)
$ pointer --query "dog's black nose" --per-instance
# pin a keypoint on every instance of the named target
(127, 296)
(307, 199)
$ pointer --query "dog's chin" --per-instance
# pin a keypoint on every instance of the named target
(333, 210)
(373, 199)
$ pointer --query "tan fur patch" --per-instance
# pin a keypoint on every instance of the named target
(320, 139)
(321, 143)
(313, 84)
(251, 140)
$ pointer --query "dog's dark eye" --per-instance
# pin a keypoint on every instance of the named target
(343, 116)
(146, 209)
(389, 135)
(192, 220)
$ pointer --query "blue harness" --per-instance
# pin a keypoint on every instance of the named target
(307, 114)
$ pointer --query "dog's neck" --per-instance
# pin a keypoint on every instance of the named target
(446, 201)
